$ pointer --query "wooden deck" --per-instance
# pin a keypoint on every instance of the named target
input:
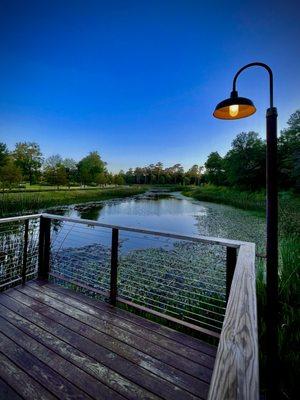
(56, 343)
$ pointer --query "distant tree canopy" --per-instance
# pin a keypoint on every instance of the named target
(243, 166)
(90, 167)
(28, 158)
(214, 167)
(3, 154)
(289, 153)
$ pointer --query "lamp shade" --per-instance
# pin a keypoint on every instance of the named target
(234, 108)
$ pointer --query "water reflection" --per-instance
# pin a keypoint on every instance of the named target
(174, 213)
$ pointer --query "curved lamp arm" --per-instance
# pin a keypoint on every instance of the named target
(256, 64)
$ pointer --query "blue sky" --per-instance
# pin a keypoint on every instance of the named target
(138, 80)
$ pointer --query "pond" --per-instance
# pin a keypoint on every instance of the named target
(180, 278)
(176, 213)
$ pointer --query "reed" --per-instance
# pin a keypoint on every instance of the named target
(29, 202)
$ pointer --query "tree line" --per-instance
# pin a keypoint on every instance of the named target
(243, 166)
(26, 164)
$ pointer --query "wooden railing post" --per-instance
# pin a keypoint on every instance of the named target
(25, 250)
(44, 248)
(231, 256)
(114, 267)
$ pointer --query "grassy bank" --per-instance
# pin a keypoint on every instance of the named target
(223, 195)
(289, 275)
(19, 203)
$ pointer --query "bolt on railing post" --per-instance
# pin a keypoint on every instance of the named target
(231, 256)
(44, 248)
(114, 267)
(25, 250)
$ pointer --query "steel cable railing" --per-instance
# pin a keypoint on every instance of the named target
(19, 243)
(178, 278)
(185, 279)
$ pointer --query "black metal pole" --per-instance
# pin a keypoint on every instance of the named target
(272, 257)
(25, 251)
(114, 267)
(231, 255)
(272, 240)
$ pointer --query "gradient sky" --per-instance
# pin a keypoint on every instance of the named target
(138, 80)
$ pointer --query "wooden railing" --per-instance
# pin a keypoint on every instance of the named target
(235, 374)
(236, 371)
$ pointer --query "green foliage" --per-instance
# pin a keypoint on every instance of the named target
(10, 174)
(289, 153)
(28, 158)
(27, 202)
(245, 161)
(3, 154)
(90, 166)
(254, 201)
(215, 169)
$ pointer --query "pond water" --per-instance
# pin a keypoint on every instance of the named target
(180, 278)
(183, 279)
(174, 213)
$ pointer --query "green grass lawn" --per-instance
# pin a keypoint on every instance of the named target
(26, 187)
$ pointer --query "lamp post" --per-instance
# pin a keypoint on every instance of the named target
(237, 107)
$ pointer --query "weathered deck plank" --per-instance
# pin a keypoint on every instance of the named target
(6, 392)
(92, 350)
(156, 368)
(78, 377)
(128, 330)
(21, 382)
(134, 319)
(39, 371)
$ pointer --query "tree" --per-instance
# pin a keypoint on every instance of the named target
(245, 162)
(101, 178)
(29, 159)
(119, 179)
(53, 161)
(194, 174)
(3, 154)
(10, 174)
(56, 175)
(215, 169)
(71, 170)
(294, 121)
(289, 153)
(90, 166)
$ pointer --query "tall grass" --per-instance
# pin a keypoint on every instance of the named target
(19, 203)
(255, 201)
(289, 277)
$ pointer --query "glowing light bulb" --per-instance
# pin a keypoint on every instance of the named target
(234, 110)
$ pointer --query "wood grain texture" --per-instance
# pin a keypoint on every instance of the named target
(6, 392)
(178, 337)
(123, 330)
(91, 352)
(236, 372)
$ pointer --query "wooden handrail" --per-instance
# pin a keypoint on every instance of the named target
(236, 372)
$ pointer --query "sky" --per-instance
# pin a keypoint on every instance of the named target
(138, 80)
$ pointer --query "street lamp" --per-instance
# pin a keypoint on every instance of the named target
(237, 107)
